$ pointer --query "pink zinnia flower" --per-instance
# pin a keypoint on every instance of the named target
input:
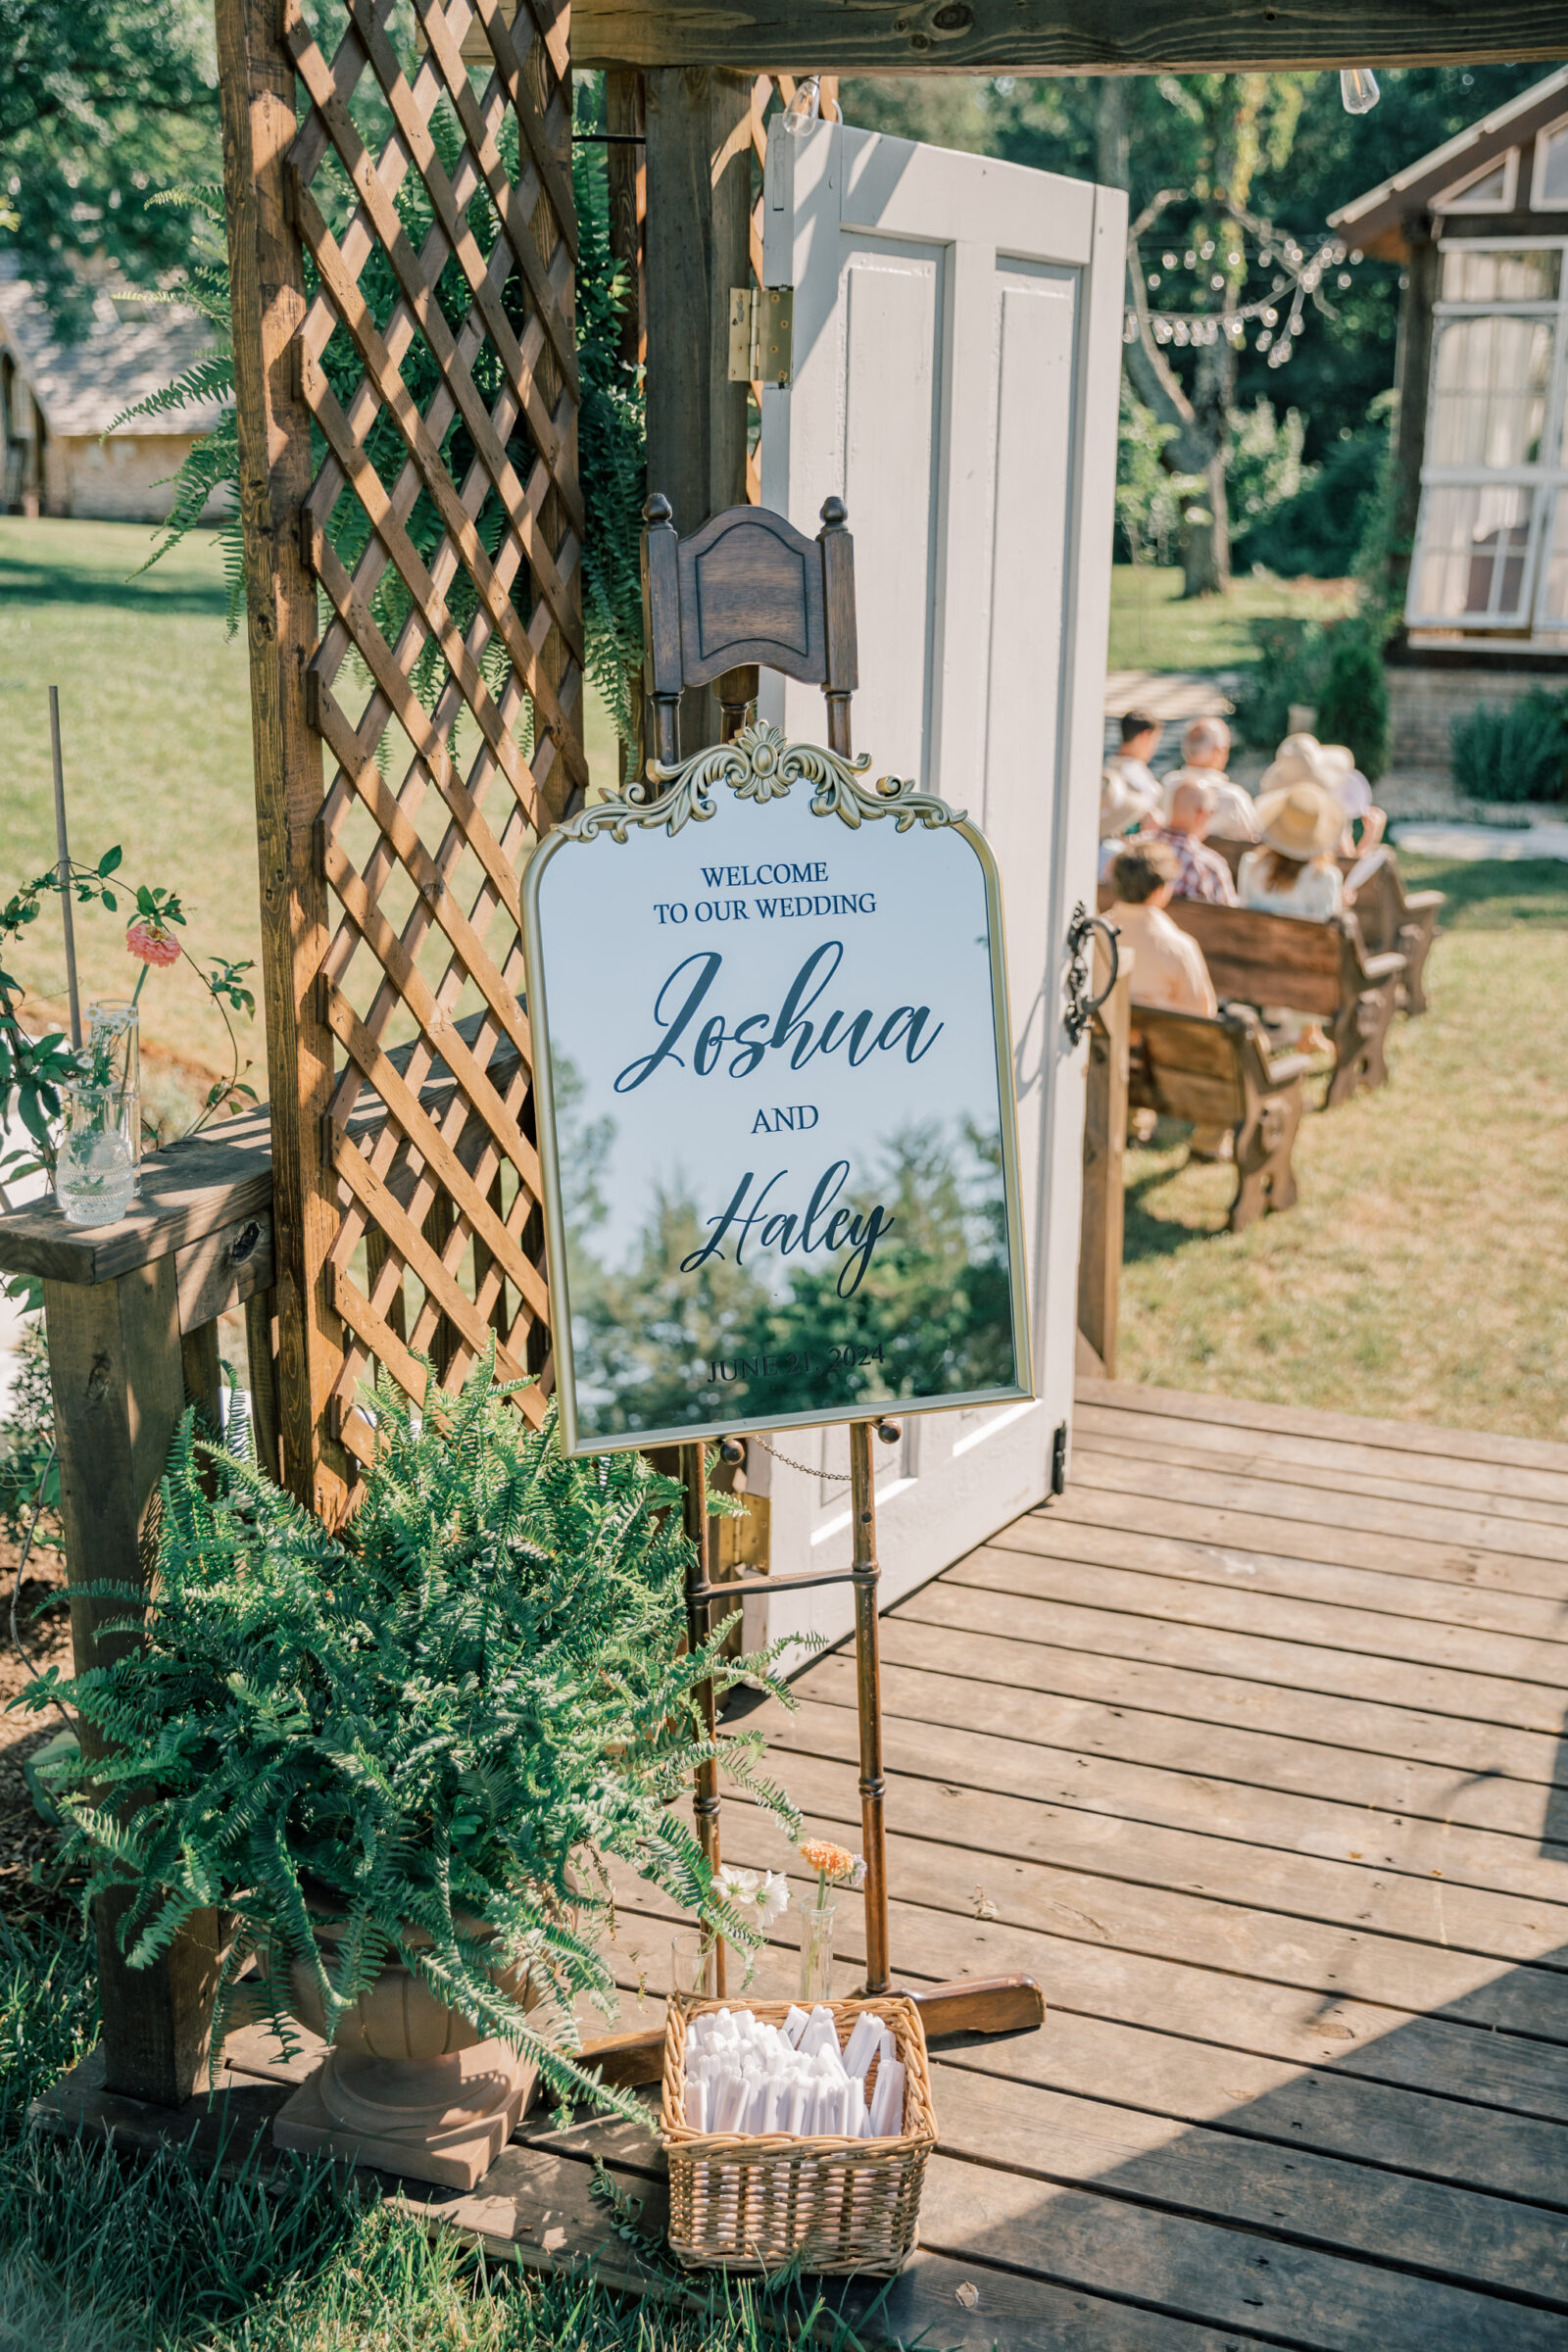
(152, 944)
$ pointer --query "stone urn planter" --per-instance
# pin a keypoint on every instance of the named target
(409, 2086)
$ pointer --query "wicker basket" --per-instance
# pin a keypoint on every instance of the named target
(751, 2202)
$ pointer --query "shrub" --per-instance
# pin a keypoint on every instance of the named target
(1318, 531)
(1513, 752)
(1353, 702)
(1292, 660)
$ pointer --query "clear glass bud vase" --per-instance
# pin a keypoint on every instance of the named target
(817, 1953)
(113, 1059)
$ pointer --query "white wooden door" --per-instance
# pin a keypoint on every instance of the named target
(957, 331)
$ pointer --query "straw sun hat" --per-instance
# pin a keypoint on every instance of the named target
(1298, 810)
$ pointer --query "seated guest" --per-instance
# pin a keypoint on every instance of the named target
(1123, 807)
(1294, 872)
(1168, 967)
(1140, 741)
(1206, 751)
(1199, 873)
(1333, 764)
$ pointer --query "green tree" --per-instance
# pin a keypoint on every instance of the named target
(104, 104)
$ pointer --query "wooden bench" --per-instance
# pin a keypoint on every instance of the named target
(1392, 919)
(1216, 1071)
(1318, 968)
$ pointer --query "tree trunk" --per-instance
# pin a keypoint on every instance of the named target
(1206, 548)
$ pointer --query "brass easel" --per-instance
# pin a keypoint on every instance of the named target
(712, 609)
(749, 589)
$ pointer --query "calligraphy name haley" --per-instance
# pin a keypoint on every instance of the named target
(678, 1010)
(822, 1227)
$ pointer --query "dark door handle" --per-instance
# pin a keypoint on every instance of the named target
(1081, 1006)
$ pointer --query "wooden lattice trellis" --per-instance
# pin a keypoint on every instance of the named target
(416, 225)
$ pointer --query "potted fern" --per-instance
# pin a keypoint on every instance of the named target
(401, 1758)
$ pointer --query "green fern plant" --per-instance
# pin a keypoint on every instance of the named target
(611, 435)
(445, 1720)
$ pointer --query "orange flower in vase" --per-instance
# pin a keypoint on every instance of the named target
(152, 944)
(835, 1866)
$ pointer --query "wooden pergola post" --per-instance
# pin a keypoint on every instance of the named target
(256, 84)
(698, 249)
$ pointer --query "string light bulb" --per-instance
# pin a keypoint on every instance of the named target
(1359, 90)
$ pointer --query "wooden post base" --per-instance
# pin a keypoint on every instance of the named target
(966, 2005)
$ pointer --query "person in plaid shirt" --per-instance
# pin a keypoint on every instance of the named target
(1200, 874)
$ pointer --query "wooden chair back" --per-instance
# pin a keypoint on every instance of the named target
(1190, 1065)
(1274, 959)
(747, 591)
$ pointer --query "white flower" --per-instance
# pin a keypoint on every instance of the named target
(758, 1894)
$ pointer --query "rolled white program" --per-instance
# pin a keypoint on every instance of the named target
(887, 2102)
(863, 2044)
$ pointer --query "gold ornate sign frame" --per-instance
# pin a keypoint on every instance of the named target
(761, 765)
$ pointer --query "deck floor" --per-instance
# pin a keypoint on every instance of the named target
(1251, 1749)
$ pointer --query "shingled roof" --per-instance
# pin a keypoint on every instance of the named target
(131, 349)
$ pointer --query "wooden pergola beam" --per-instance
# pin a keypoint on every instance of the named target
(1059, 36)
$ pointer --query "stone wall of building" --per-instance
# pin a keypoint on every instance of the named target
(1423, 705)
(125, 479)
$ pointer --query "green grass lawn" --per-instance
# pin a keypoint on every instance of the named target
(155, 719)
(1152, 627)
(162, 2258)
(1421, 1274)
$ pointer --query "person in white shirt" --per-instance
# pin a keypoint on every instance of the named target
(1205, 752)
(1140, 741)
(1167, 967)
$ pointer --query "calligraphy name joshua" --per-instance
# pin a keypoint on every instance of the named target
(788, 1232)
(787, 1031)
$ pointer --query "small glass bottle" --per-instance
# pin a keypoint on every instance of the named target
(817, 1953)
(93, 1172)
(113, 1057)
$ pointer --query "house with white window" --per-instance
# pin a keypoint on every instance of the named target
(1480, 226)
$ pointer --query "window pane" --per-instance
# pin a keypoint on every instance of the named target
(1473, 548)
(1487, 194)
(1489, 391)
(1472, 276)
(1555, 587)
(1552, 162)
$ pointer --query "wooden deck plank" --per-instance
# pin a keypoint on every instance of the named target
(1349, 1779)
(1115, 2210)
(1322, 1508)
(1259, 1537)
(1204, 1694)
(1240, 1606)
(1394, 1437)
(990, 2098)
(1443, 1484)
(1434, 1940)
(1062, 1533)
(987, 1763)
(1108, 1504)
(1301, 2020)
(1473, 1700)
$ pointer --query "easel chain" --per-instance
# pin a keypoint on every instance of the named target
(837, 1478)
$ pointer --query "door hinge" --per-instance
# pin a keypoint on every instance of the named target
(762, 334)
(1058, 1460)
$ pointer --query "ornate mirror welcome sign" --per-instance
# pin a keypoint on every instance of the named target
(774, 1091)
